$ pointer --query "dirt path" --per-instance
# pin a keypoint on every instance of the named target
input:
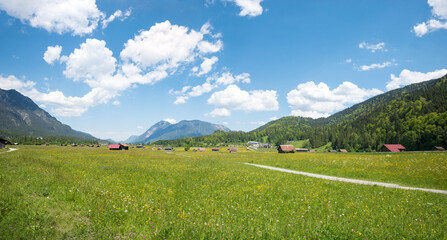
(10, 150)
(388, 185)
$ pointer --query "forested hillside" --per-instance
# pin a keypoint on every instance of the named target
(415, 116)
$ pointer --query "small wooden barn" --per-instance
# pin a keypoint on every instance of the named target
(124, 146)
(343, 150)
(215, 149)
(120, 146)
(332, 151)
(232, 149)
(286, 149)
(302, 150)
(438, 148)
(392, 148)
(169, 149)
(140, 146)
(201, 149)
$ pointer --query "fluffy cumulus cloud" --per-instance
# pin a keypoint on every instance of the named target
(315, 101)
(211, 83)
(52, 54)
(165, 47)
(233, 98)
(151, 56)
(407, 77)
(439, 10)
(206, 66)
(251, 8)
(12, 82)
(77, 16)
(373, 47)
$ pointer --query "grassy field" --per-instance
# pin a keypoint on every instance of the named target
(93, 193)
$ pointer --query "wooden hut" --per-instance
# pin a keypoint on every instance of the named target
(332, 151)
(124, 146)
(215, 149)
(115, 147)
(343, 150)
(286, 149)
(392, 148)
(169, 149)
(438, 148)
(232, 150)
(201, 149)
(140, 146)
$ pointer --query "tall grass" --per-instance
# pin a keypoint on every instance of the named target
(55, 192)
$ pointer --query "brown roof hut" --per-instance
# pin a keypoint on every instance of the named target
(232, 149)
(438, 148)
(169, 149)
(343, 150)
(392, 148)
(201, 149)
(215, 149)
(286, 149)
(115, 147)
(124, 146)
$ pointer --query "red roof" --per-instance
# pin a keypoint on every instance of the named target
(287, 148)
(114, 146)
(125, 145)
(201, 149)
(343, 150)
(394, 147)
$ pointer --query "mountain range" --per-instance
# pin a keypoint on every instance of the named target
(20, 116)
(164, 130)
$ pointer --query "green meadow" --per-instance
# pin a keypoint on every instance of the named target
(93, 193)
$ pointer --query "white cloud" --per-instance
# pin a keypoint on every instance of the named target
(374, 66)
(164, 46)
(170, 120)
(428, 27)
(52, 54)
(11, 82)
(407, 77)
(349, 60)
(233, 98)
(439, 10)
(373, 47)
(116, 102)
(250, 8)
(259, 123)
(118, 14)
(92, 61)
(311, 100)
(273, 118)
(199, 90)
(181, 99)
(77, 16)
(207, 65)
(227, 78)
(140, 127)
(219, 112)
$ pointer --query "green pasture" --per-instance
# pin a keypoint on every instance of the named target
(93, 193)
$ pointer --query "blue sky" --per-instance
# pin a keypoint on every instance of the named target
(114, 68)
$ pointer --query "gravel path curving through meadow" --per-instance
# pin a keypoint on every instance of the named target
(388, 185)
(11, 150)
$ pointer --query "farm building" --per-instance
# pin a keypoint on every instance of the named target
(302, 150)
(392, 148)
(3, 143)
(265, 145)
(286, 149)
(201, 149)
(332, 151)
(343, 150)
(250, 143)
(438, 148)
(232, 149)
(215, 149)
(169, 149)
(312, 151)
(119, 146)
(140, 146)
